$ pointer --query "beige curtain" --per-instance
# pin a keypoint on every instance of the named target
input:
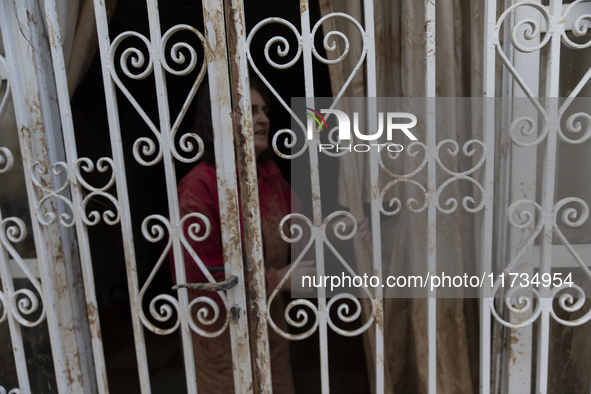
(79, 36)
(399, 34)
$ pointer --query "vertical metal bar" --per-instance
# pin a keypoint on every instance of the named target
(247, 175)
(16, 338)
(486, 302)
(29, 143)
(548, 180)
(176, 227)
(522, 185)
(122, 194)
(431, 142)
(227, 188)
(81, 230)
(62, 245)
(307, 45)
(375, 195)
(498, 333)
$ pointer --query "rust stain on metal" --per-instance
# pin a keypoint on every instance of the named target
(379, 314)
(31, 17)
(69, 377)
(233, 37)
(25, 134)
(248, 186)
(225, 285)
(262, 360)
(59, 254)
(303, 6)
(513, 340)
(242, 348)
(315, 186)
(92, 320)
(233, 212)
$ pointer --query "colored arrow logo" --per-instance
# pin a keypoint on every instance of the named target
(316, 119)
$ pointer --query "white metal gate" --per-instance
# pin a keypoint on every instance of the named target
(58, 192)
(72, 203)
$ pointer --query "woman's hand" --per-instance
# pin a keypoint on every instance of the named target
(304, 268)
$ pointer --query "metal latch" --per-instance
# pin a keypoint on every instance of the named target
(227, 284)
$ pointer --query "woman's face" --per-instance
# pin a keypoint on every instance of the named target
(260, 122)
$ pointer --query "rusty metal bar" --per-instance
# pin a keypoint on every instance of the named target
(227, 284)
(31, 140)
(62, 242)
(221, 104)
(247, 175)
(80, 220)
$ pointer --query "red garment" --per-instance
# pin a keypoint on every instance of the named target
(198, 193)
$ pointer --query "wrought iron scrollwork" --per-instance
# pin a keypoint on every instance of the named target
(155, 233)
(154, 229)
(302, 315)
(343, 310)
(528, 30)
(148, 151)
(74, 178)
(522, 215)
(469, 150)
(103, 165)
(571, 297)
(48, 217)
(24, 302)
(6, 160)
(412, 151)
(13, 391)
(3, 308)
(566, 210)
(579, 27)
